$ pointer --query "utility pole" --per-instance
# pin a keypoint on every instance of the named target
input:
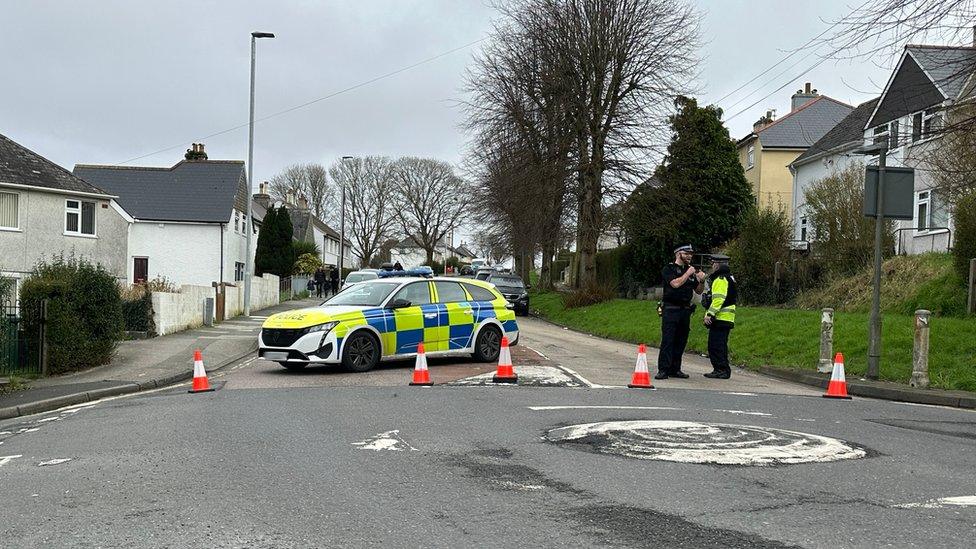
(874, 341)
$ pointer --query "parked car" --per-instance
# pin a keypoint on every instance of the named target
(359, 276)
(386, 319)
(514, 290)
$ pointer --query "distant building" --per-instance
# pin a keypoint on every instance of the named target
(775, 143)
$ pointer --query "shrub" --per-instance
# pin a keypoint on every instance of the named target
(302, 247)
(137, 309)
(162, 284)
(965, 244)
(589, 295)
(85, 320)
(307, 263)
(764, 239)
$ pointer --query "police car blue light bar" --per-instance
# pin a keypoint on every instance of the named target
(425, 272)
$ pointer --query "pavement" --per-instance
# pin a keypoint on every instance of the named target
(145, 364)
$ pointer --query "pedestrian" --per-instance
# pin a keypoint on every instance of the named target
(681, 281)
(720, 316)
(397, 266)
(334, 280)
(320, 281)
(310, 285)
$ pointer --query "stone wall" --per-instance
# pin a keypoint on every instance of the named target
(175, 312)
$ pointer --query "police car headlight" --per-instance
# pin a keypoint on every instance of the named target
(324, 328)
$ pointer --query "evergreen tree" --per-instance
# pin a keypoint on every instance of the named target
(284, 252)
(263, 256)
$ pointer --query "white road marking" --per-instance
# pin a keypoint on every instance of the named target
(537, 352)
(57, 461)
(711, 443)
(546, 408)
(390, 440)
(741, 394)
(743, 412)
(538, 376)
(958, 501)
(5, 459)
(45, 420)
(5, 433)
(802, 419)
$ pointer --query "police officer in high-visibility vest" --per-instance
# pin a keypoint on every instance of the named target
(720, 316)
(681, 282)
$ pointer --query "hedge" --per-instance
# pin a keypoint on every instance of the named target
(137, 313)
(85, 320)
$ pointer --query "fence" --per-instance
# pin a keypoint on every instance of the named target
(21, 348)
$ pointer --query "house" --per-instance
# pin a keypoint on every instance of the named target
(187, 223)
(921, 98)
(45, 210)
(774, 143)
(831, 154)
(307, 227)
(410, 254)
(464, 254)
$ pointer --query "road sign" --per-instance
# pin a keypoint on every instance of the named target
(899, 193)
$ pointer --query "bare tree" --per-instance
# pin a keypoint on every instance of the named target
(369, 187)
(307, 181)
(613, 68)
(428, 200)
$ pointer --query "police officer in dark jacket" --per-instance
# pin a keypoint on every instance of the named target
(720, 316)
(681, 281)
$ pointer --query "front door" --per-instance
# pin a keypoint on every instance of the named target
(413, 322)
(140, 270)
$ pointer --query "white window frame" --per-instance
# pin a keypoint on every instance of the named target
(894, 136)
(917, 121)
(928, 115)
(237, 221)
(881, 134)
(750, 156)
(79, 210)
(804, 228)
(925, 200)
(17, 227)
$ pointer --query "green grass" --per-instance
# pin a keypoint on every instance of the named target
(790, 338)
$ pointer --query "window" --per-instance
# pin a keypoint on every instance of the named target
(803, 229)
(880, 135)
(450, 292)
(922, 210)
(79, 217)
(931, 122)
(238, 271)
(751, 156)
(140, 270)
(893, 132)
(480, 294)
(237, 221)
(417, 293)
(9, 211)
(916, 127)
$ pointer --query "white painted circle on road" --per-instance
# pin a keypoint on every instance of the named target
(712, 443)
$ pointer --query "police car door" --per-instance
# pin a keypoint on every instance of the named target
(456, 314)
(412, 322)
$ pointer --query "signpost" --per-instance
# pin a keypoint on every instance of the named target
(887, 191)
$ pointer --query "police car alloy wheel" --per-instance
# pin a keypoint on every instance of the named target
(488, 344)
(360, 353)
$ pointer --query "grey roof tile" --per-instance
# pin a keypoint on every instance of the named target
(22, 166)
(203, 191)
(949, 67)
(848, 130)
(805, 126)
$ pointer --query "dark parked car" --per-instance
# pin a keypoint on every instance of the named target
(514, 290)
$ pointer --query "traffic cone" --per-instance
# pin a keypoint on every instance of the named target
(200, 382)
(837, 388)
(641, 378)
(421, 375)
(505, 373)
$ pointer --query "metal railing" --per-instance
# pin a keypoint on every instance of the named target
(930, 232)
(21, 342)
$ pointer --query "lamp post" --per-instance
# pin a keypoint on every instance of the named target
(248, 259)
(342, 221)
(874, 341)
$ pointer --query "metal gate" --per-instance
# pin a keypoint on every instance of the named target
(21, 342)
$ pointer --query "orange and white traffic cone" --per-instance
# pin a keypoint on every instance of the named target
(421, 375)
(200, 382)
(505, 373)
(641, 378)
(837, 388)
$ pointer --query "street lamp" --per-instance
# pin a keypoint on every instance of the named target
(874, 341)
(342, 221)
(249, 260)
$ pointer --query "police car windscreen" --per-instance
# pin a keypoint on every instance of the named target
(370, 294)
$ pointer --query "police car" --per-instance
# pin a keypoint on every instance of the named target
(387, 318)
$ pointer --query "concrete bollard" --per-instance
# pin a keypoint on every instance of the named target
(920, 354)
(826, 363)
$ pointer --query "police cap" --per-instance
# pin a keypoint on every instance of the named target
(721, 258)
(685, 248)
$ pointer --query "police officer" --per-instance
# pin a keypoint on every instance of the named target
(720, 317)
(681, 281)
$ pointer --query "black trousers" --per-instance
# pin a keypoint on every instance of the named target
(675, 326)
(718, 347)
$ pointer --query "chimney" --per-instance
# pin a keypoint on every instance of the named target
(303, 202)
(804, 96)
(765, 120)
(196, 152)
(289, 197)
(262, 197)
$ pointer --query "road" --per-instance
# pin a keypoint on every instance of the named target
(567, 458)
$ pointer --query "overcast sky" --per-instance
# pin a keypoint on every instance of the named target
(85, 81)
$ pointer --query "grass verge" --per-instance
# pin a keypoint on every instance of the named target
(789, 338)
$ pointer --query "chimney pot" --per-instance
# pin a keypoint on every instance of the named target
(806, 87)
